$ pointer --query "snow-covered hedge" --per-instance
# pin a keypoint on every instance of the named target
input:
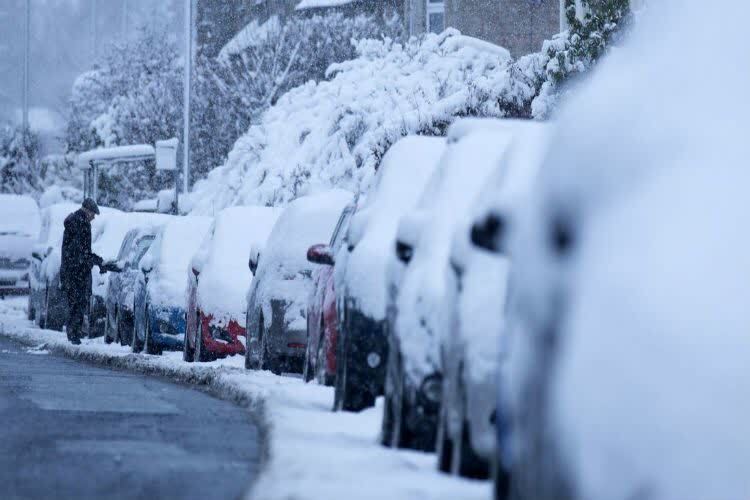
(334, 133)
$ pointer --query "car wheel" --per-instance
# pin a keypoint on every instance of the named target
(444, 445)
(465, 461)
(188, 354)
(148, 344)
(308, 371)
(500, 481)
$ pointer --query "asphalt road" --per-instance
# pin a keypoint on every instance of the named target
(70, 430)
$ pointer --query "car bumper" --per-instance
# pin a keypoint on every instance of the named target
(168, 327)
(14, 282)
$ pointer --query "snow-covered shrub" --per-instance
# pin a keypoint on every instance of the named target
(334, 132)
(593, 25)
(19, 161)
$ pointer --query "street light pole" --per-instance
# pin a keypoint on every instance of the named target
(186, 96)
(26, 49)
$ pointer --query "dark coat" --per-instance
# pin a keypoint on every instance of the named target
(77, 258)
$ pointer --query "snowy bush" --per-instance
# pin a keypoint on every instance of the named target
(593, 26)
(19, 161)
(334, 133)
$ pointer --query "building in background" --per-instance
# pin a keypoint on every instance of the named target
(379, 8)
(518, 25)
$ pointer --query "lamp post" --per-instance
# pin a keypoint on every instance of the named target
(26, 49)
(186, 96)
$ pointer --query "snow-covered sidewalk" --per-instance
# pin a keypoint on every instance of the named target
(313, 453)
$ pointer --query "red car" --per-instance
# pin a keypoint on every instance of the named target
(218, 283)
(322, 320)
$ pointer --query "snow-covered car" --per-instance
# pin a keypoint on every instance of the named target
(419, 315)
(322, 315)
(19, 230)
(277, 301)
(219, 279)
(50, 238)
(161, 287)
(470, 350)
(107, 237)
(120, 296)
(361, 268)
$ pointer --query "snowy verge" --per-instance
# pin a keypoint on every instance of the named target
(310, 452)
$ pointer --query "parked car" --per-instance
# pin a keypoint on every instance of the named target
(414, 371)
(19, 230)
(471, 350)
(322, 320)
(361, 269)
(120, 296)
(218, 281)
(108, 235)
(277, 300)
(161, 287)
(50, 239)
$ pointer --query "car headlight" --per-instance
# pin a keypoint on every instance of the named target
(432, 389)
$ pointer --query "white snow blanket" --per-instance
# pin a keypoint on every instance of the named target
(313, 453)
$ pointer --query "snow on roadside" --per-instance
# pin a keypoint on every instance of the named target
(313, 453)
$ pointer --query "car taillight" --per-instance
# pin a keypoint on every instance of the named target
(296, 345)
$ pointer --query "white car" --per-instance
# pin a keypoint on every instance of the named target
(276, 321)
(629, 287)
(418, 317)
(19, 230)
(471, 349)
(360, 270)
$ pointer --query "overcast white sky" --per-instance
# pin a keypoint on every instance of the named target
(62, 43)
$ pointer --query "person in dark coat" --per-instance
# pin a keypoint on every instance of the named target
(75, 268)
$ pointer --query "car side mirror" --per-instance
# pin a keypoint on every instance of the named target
(404, 252)
(487, 232)
(320, 254)
(252, 261)
(37, 256)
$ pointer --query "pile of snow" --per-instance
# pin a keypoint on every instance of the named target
(403, 174)
(108, 232)
(169, 256)
(223, 260)
(313, 453)
(334, 133)
(283, 270)
(474, 151)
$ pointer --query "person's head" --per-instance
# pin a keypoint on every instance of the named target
(90, 208)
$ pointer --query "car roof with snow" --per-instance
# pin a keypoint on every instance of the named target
(401, 178)
(170, 254)
(19, 214)
(110, 228)
(223, 258)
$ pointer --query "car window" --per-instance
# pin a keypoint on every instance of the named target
(338, 234)
(140, 248)
(125, 246)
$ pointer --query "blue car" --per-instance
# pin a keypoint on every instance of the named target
(161, 285)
